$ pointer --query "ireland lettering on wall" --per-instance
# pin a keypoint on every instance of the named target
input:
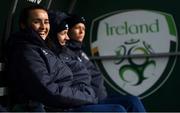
(134, 32)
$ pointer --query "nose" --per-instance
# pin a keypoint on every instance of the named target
(82, 30)
(67, 37)
(42, 25)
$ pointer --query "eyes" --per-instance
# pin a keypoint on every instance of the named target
(64, 32)
(79, 28)
(40, 21)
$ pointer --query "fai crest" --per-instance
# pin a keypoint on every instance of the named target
(135, 32)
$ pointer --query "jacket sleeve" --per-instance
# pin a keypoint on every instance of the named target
(36, 80)
(97, 78)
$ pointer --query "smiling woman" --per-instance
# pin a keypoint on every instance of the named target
(38, 20)
(8, 21)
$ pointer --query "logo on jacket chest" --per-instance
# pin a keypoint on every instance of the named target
(44, 51)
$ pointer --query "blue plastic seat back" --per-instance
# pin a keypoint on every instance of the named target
(101, 108)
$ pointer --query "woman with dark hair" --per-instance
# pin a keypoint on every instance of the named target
(76, 33)
(37, 77)
(81, 75)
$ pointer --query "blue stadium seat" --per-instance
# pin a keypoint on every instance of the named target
(101, 108)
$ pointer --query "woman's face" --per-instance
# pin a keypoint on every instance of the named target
(39, 21)
(77, 32)
(62, 37)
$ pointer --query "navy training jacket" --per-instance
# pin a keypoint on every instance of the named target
(97, 81)
(36, 73)
(83, 69)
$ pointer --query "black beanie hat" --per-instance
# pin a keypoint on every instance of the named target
(57, 21)
(75, 19)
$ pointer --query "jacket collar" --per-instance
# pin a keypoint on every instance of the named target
(28, 36)
(74, 45)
